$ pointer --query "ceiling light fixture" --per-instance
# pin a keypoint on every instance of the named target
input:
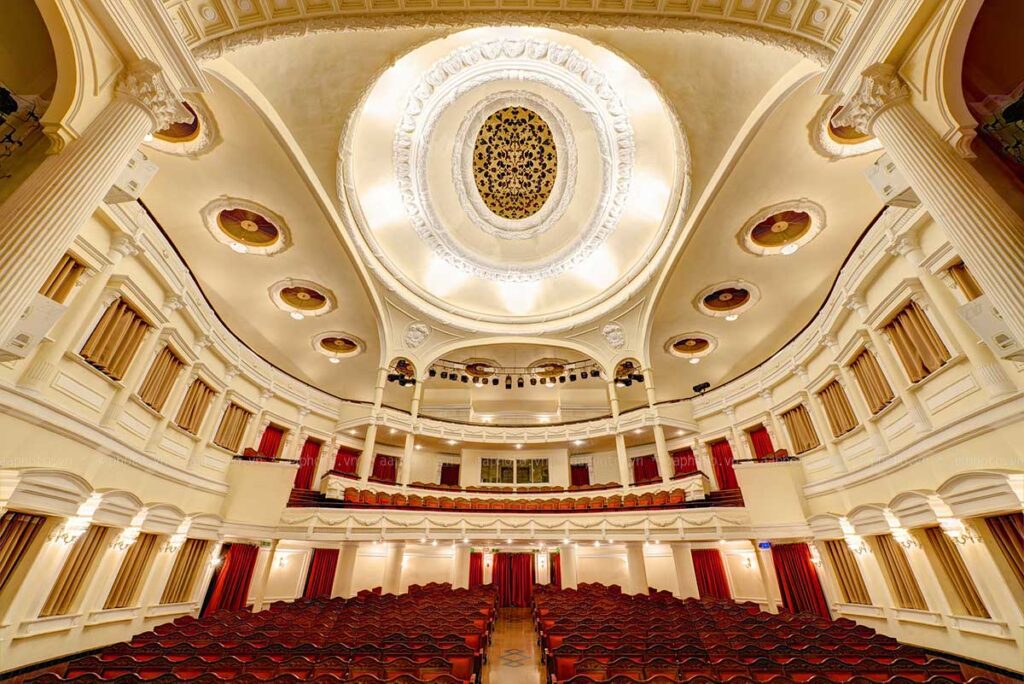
(239, 247)
(334, 359)
(731, 317)
(790, 249)
(694, 361)
(296, 315)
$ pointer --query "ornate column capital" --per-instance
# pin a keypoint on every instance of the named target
(124, 246)
(880, 87)
(856, 303)
(144, 83)
(906, 247)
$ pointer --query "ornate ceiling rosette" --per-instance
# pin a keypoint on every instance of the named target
(782, 228)
(833, 141)
(245, 226)
(728, 299)
(302, 297)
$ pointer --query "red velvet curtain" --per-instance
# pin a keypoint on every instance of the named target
(710, 571)
(684, 461)
(513, 576)
(307, 464)
(270, 442)
(761, 442)
(556, 570)
(385, 468)
(320, 579)
(579, 474)
(645, 469)
(345, 461)
(232, 584)
(450, 474)
(476, 569)
(721, 463)
(798, 580)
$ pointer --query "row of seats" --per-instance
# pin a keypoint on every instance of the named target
(430, 634)
(596, 633)
(504, 489)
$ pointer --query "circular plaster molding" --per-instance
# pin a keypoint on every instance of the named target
(555, 66)
(211, 212)
(754, 295)
(827, 145)
(565, 175)
(206, 138)
(814, 210)
(712, 345)
(318, 344)
(276, 292)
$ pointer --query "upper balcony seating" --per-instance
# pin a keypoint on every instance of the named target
(430, 634)
(595, 634)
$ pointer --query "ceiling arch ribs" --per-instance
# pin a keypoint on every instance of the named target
(815, 28)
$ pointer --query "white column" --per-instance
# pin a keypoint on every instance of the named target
(665, 467)
(41, 218)
(981, 226)
(737, 442)
(405, 467)
(686, 576)
(393, 568)
(637, 567)
(264, 564)
(460, 567)
(567, 559)
(703, 459)
(766, 569)
(73, 325)
(367, 456)
(625, 474)
(613, 399)
(347, 554)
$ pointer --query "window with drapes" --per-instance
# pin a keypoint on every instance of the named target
(579, 474)
(645, 469)
(232, 427)
(194, 406)
(798, 580)
(345, 460)
(898, 576)
(77, 570)
(17, 532)
(1008, 534)
(62, 279)
(761, 441)
(917, 344)
(710, 573)
(684, 461)
(188, 565)
(837, 408)
(320, 578)
(965, 281)
(476, 569)
(231, 584)
(954, 578)
(385, 468)
(801, 429)
(308, 458)
(115, 340)
(721, 464)
(497, 471)
(450, 474)
(871, 380)
(270, 441)
(132, 573)
(532, 471)
(160, 379)
(847, 572)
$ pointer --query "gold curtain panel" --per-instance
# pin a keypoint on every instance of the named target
(232, 427)
(919, 347)
(898, 575)
(873, 385)
(837, 409)
(847, 572)
(62, 279)
(185, 571)
(17, 532)
(76, 571)
(194, 406)
(957, 584)
(133, 570)
(160, 379)
(801, 429)
(115, 340)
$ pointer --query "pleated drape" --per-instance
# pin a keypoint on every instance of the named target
(579, 474)
(837, 409)
(847, 572)
(194, 405)
(1008, 533)
(232, 427)
(898, 575)
(450, 474)
(307, 464)
(556, 570)
(115, 339)
(801, 429)
(133, 571)
(385, 468)
(710, 572)
(762, 442)
(645, 469)
(873, 385)
(798, 580)
(950, 564)
(185, 572)
(514, 578)
(160, 379)
(965, 281)
(320, 578)
(721, 464)
(476, 569)
(345, 460)
(62, 279)
(918, 346)
(231, 589)
(270, 442)
(17, 532)
(76, 571)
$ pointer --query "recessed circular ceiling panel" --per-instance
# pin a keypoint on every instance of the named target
(245, 226)
(782, 228)
(337, 345)
(515, 162)
(728, 299)
(181, 131)
(302, 297)
(248, 227)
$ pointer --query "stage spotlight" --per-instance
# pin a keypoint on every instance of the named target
(494, 381)
(444, 375)
(508, 382)
(464, 378)
(392, 377)
(572, 377)
(702, 387)
(519, 382)
(432, 372)
(533, 381)
(583, 375)
(561, 378)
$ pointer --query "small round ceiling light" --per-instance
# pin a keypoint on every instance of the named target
(782, 228)
(240, 223)
(338, 345)
(302, 298)
(727, 300)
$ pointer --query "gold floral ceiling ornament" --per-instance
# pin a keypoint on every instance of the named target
(245, 226)
(782, 229)
(692, 346)
(302, 298)
(515, 162)
(336, 345)
(727, 300)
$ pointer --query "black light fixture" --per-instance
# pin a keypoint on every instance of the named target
(444, 375)
(494, 381)
(702, 387)
(465, 378)
(561, 378)
(520, 382)
(432, 372)
(583, 375)
(508, 382)
(533, 381)
(393, 377)
(572, 377)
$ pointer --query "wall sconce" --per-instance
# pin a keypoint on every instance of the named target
(857, 544)
(71, 531)
(748, 562)
(125, 540)
(958, 531)
(281, 559)
(488, 557)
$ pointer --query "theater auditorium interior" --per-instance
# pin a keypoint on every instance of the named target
(512, 341)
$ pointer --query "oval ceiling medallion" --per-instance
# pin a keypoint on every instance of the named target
(782, 228)
(728, 299)
(245, 226)
(845, 135)
(338, 345)
(188, 138)
(302, 298)
(515, 162)
(181, 131)
(693, 345)
(838, 142)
